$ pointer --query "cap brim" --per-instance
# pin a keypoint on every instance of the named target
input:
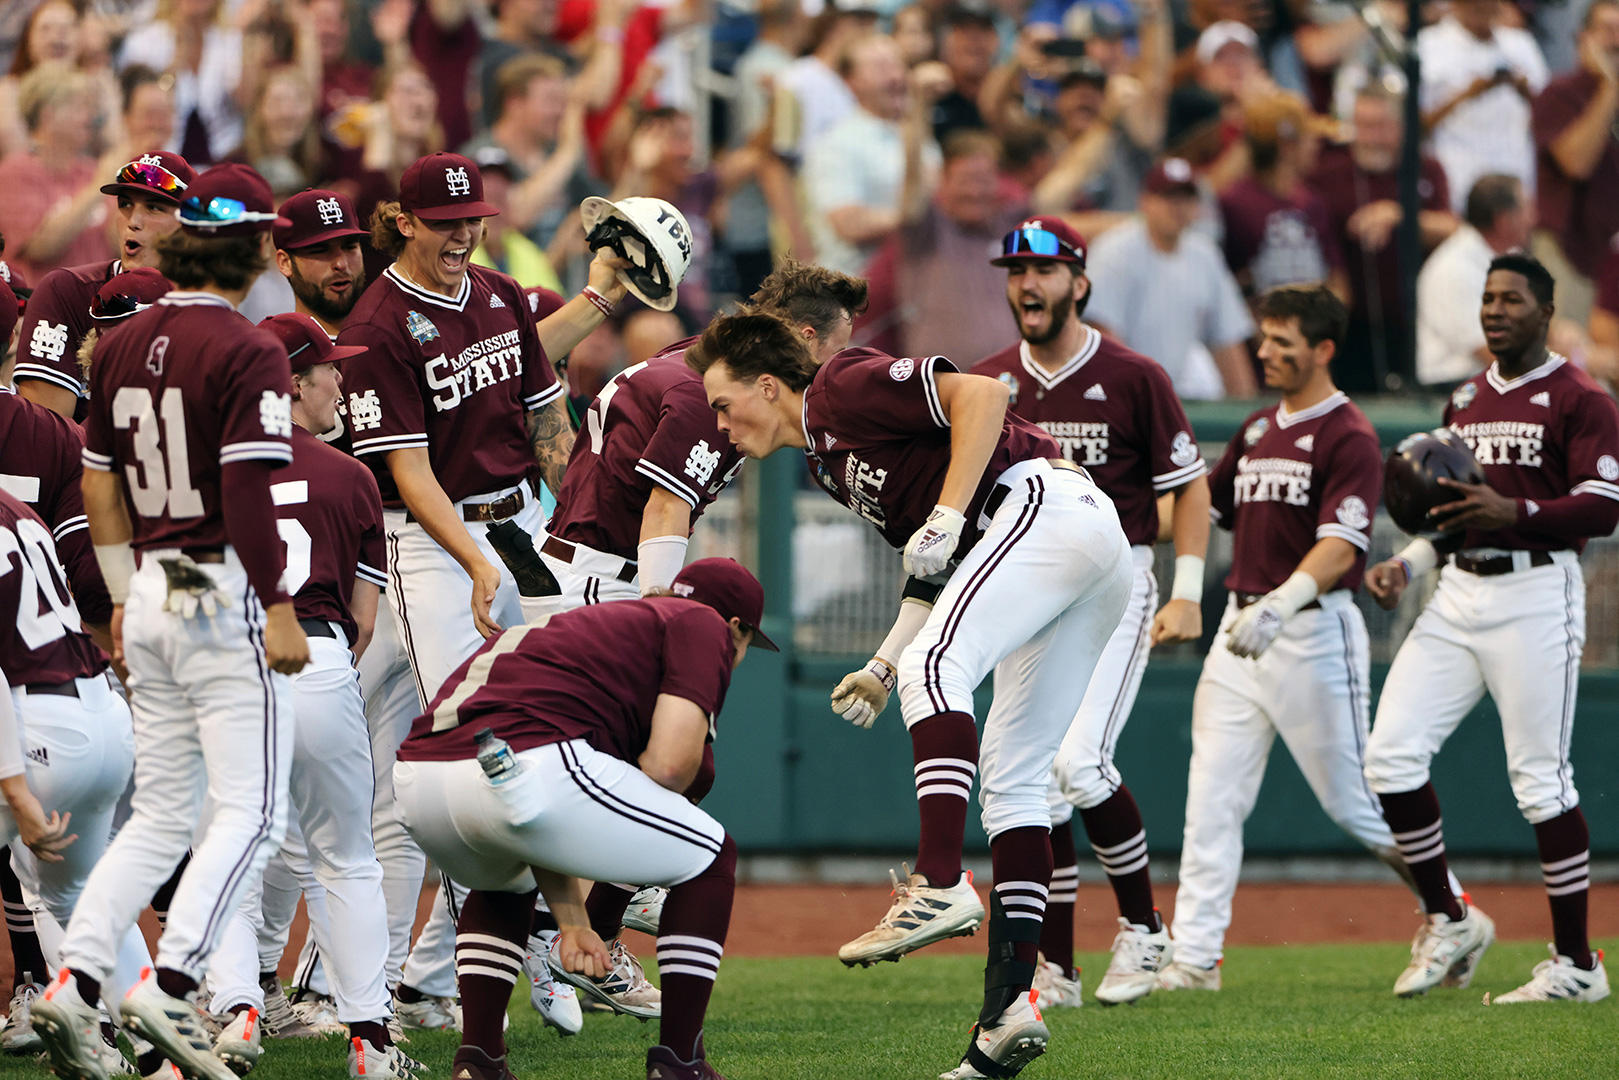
(760, 641)
(318, 238)
(1008, 260)
(139, 189)
(456, 212)
(1173, 189)
(343, 352)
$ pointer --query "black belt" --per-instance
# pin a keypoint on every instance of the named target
(502, 508)
(61, 689)
(1495, 565)
(564, 550)
(200, 554)
(318, 628)
(1249, 599)
(998, 493)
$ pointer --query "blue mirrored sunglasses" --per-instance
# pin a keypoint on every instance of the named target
(1034, 241)
(218, 213)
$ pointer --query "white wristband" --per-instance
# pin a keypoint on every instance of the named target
(913, 613)
(1294, 593)
(658, 560)
(1419, 557)
(1188, 579)
(117, 563)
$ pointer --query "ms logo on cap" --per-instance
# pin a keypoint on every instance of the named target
(331, 212)
(151, 159)
(458, 181)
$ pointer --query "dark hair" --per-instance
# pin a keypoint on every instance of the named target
(227, 262)
(662, 114)
(136, 76)
(754, 343)
(1493, 194)
(1320, 314)
(20, 64)
(810, 295)
(1023, 141)
(971, 142)
(1541, 282)
(385, 234)
(512, 78)
(1263, 154)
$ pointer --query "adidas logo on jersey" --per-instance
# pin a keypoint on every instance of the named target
(1096, 393)
(831, 441)
(1543, 399)
(495, 301)
(1305, 443)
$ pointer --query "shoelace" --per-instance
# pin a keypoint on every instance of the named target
(903, 896)
(1131, 951)
(626, 970)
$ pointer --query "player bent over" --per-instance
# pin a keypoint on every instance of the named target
(1508, 617)
(599, 717)
(1041, 576)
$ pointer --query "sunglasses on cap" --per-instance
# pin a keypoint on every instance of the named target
(146, 174)
(1032, 240)
(116, 307)
(219, 213)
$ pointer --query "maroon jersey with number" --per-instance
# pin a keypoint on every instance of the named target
(1113, 411)
(1290, 479)
(177, 392)
(41, 640)
(56, 322)
(41, 464)
(651, 426)
(453, 375)
(593, 673)
(331, 521)
(1548, 433)
(879, 441)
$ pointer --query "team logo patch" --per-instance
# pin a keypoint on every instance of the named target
(1608, 468)
(330, 211)
(533, 303)
(900, 370)
(701, 462)
(1096, 393)
(421, 327)
(1352, 512)
(458, 182)
(1010, 380)
(1530, 508)
(1463, 395)
(1182, 450)
(365, 411)
(49, 341)
(151, 159)
(1256, 431)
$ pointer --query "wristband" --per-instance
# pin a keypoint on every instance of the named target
(885, 673)
(603, 305)
(117, 562)
(1418, 557)
(1188, 579)
(1294, 593)
(657, 561)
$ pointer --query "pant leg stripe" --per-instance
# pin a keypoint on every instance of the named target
(1357, 696)
(625, 810)
(693, 834)
(446, 889)
(396, 582)
(1571, 675)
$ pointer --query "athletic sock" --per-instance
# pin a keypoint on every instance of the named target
(1017, 904)
(175, 983)
(691, 941)
(1057, 929)
(1119, 839)
(605, 905)
(165, 892)
(1413, 817)
(409, 995)
(1565, 867)
(89, 989)
(543, 922)
(374, 1032)
(27, 958)
(945, 747)
(490, 944)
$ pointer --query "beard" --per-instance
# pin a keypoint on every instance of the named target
(1060, 314)
(324, 307)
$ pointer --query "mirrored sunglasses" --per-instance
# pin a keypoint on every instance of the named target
(219, 213)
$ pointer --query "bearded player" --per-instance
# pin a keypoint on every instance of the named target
(1114, 412)
(1508, 617)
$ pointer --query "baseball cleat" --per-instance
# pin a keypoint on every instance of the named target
(557, 1003)
(1443, 945)
(472, 1063)
(428, 1014)
(319, 1012)
(383, 1062)
(1558, 979)
(240, 1043)
(175, 1026)
(69, 1030)
(1017, 1037)
(1180, 975)
(663, 1064)
(625, 989)
(19, 1037)
(646, 909)
(1139, 955)
(1055, 990)
(279, 1020)
(921, 914)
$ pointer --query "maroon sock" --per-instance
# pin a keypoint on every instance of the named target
(165, 892)
(946, 751)
(175, 983)
(1413, 817)
(89, 989)
(542, 922)
(1565, 866)
(1017, 905)
(490, 943)
(1120, 841)
(691, 940)
(1057, 930)
(374, 1032)
(605, 905)
(27, 958)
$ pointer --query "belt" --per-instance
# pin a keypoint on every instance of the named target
(502, 508)
(61, 689)
(1499, 564)
(997, 494)
(563, 550)
(317, 628)
(1249, 599)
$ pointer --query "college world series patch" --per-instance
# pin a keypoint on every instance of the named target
(421, 327)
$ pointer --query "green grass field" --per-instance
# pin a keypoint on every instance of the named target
(1302, 1011)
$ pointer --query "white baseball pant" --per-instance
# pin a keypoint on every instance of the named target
(1517, 635)
(1035, 601)
(591, 578)
(209, 714)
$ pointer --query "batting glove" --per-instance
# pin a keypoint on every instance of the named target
(1256, 626)
(930, 547)
(190, 589)
(862, 695)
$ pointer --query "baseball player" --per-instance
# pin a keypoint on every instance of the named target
(1041, 570)
(58, 317)
(562, 750)
(1297, 487)
(1508, 617)
(190, 414)
(1114, 412)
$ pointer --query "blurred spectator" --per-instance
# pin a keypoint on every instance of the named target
(771, 198)
(504, 246)
(401, 126)
(647, 333)
(1027, 155)
(1578, 160)
(1450, 340)
(442, 37)
(190, 40)
(662, 147)
(913, 33)
(280, 137)
(1603, 325)
(522, 28)
(1360, 184)
(819, 97)
(49, 36)
(148, 106)
(1164, 290)
(344, 79)
(1478, 77)
(860, 177)
(1358, 39)
(968, 50)
(53, 213)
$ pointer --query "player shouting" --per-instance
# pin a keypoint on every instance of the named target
(1508, 617)
(930, 458)
(1114, 412)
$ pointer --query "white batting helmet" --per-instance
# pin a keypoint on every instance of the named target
(651, 234)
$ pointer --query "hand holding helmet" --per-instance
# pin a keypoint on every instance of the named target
(651, 235)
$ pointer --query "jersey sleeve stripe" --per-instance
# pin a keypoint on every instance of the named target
(98, 462)
(665, 479)
(1175, 479)
(370, 573)
(930, 386)
(544, 397)
(1343, 532)
(386, 443)
(24, 372)
(71, 525)
(1596, 487)
(255, 451)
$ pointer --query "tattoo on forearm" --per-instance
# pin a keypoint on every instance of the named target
(550, 436)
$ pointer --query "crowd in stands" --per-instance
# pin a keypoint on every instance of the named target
(1207, 149)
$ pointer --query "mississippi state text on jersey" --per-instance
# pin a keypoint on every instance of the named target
(56, 322)
(41, 640)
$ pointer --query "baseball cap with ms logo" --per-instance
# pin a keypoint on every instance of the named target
(316, 216)
(444, 187)
(726, 586)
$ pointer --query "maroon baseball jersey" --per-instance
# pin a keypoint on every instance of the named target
(455, 376)
(1548, 433)
(330, 518)
(593, 673)
(179, 391)
(1113, 411)
(650, 426)
(41, 640)
(56, 322)
(1288, 480)
(12, 276)
(41, 464)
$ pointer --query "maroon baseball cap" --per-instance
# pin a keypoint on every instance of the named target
(306, 341)
(316, 216)
(229, 200)
(1045, 237)
(726, 586)
(1171, 176)
(128, 292)
(443, 187)
(10, 313)
(160, 175)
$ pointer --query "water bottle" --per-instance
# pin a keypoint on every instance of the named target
(523, 802)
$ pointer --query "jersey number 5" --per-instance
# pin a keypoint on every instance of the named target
(300, 545)
(596, 415)
(42, 580)
(160, 451)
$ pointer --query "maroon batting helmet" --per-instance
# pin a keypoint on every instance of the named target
(1411, 485)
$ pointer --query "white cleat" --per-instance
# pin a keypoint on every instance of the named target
(19, 1037)
(279, 1019)
(1444, 946)
(241, 1042)
(1180, 975)
(428, 1014)
(319, 1013)
(625, 989)
(1139, 955)
(175, 1026)
(921, 914)
(69, 1030)
(384, 1063)
(1018, 1036)
(556, 1002)
(1055, 990)
(1558, 979)
(646, 909)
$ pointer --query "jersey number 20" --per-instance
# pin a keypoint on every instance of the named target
(42, 580)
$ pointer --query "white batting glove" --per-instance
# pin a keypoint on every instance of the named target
(928, 551)
(862, 695)
(1255, 627)
(190, 589)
